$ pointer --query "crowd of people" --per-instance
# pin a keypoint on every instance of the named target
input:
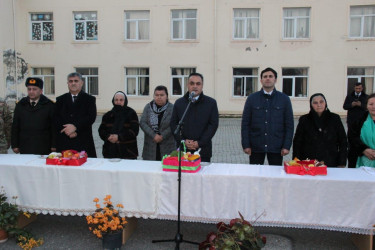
(40, 126)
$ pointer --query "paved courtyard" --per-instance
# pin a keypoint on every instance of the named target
(71, 232)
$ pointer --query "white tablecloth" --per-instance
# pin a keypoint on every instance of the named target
(344, 200)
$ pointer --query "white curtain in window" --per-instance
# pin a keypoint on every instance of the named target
(299, 17)
(251, 17)
(142, 17)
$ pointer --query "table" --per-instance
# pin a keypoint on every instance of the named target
(342, 201)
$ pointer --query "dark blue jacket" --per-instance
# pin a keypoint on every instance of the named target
(267, 122)
(200, 123)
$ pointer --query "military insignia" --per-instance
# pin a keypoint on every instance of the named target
(32, 81)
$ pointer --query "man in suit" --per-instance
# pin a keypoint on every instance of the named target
(75, 114)
(33, 130)
(355, 104)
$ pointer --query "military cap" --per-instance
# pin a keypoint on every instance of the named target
(34, 81)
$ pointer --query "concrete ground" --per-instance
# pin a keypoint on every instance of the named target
(71, 232)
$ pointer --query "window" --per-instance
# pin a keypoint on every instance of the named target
(295, 82)
(296, 23)
(364, 75)
(245, 81)
(48, 77)
(362, 21)
(180, 80)
(246, 24)
(90, 79)
(137, 25)
(184, 24)
(85, 26)
(41, 26)
(137, 81)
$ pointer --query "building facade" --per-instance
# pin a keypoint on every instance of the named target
(133, 46)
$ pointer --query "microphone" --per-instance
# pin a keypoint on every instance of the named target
(191, 96)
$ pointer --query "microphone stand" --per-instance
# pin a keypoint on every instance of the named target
(178, 239)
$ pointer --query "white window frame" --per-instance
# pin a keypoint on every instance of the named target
(33, 69)
(182, 77)
(85, 25)
(361, 36)
(295, 21)
(85, 79)
(41, 22)
(136, 21)
(137, 80)
(359, 77)
(183, 20)
(294, 81)
(244, 78)
(245, 21)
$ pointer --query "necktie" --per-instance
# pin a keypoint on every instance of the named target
(74, 98)
(33, 104)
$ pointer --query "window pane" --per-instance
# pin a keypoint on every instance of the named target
(93, 85)
(176, 13)
(131, 30)
(131, 86)
(191, 29)
(287, 86)
(48, 31)
(131, 71)
(253, 28)
(238, 86)
(177, 85)
(303, 28)
(238, 29)
(36, 31)
(177, 29)
(356, 71)
(144, 86)
(355, 26)
(301, 87)
(190, 13)
(242, 71)
(251, 85)
(80, 32)
(49, 85)
(143, 27)
(92, 31)
(369, 26)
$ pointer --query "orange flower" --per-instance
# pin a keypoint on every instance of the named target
(97, 205)
(120, 206)
(96, 200)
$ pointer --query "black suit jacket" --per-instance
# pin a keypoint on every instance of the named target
(82, 114)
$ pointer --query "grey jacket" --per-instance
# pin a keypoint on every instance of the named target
(168, 143)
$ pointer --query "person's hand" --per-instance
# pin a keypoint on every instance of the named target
(158, 138)
(247, 151)
(73, 135)
(369, 153)
(191, 144)
(284, 151)
(68, 129)
(16, 150)
(113, 138)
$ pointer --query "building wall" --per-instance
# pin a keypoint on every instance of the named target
(214, 54)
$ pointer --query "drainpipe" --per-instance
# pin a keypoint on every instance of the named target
(14, 47)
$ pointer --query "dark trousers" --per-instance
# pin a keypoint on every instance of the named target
(205, 159)
(273, 158)
(352, 158)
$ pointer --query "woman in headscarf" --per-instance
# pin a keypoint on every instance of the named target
(119, 129)
(155, 121)
(362, 136)
(320, 135)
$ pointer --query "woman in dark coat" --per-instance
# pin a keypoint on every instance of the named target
(155, 123)
(119, 129)
(362, 136)
(320, 135)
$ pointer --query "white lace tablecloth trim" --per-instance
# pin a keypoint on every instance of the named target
(82, 212)
(369, 231)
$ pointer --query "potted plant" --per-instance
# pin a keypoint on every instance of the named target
(106, 223)
(238, 235)
(8, 223)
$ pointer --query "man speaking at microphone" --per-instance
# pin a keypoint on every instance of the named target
(201, 120)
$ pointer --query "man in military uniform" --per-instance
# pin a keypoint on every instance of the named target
(33, 130)
(5, 127)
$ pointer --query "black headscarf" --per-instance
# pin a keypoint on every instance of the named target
(320, 121)
(120, 114)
